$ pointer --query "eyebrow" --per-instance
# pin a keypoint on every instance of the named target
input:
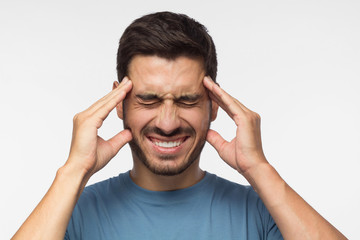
(189, 97)
(186, 97)
(147, 96)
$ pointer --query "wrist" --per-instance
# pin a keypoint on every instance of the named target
(262, 176)
(269, 185)
(74, 175)
(255, 171)
(255, 174)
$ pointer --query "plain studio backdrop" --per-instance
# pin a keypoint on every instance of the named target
(296, 63)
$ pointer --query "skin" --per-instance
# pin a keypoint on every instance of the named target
(88, 154)
(167, 96)
(294, 217)
(169, 80)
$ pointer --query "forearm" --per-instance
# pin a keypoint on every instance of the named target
(51, 216)
(295, 218)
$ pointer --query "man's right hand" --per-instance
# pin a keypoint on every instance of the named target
(88, 154)
(88, 151)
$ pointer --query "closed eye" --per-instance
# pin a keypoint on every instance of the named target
(152, 100)
(190, 100)
(149, 104)
(187, 104)
(148, 100)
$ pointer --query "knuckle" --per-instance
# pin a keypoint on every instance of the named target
(76, 117)
(79, 118)
(253, 116)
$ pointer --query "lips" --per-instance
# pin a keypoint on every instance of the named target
(167, 146)
(167, 143)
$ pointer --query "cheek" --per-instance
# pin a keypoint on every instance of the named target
(197, 118)
(137, 118)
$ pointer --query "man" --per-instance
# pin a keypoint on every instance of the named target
(167, 97)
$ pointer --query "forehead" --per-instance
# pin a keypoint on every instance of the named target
(156, 75)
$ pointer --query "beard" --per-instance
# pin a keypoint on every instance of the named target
(163, 168)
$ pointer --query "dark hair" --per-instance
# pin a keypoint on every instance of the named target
(168, 35)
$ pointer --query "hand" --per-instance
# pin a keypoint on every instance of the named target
(245, 151)
(88, 151)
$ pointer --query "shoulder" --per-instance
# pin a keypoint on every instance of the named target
(225, 186)
(243, 202)
(99, 192)
(237, 194)
(99, 187)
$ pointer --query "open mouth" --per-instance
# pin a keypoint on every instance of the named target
(168, 144)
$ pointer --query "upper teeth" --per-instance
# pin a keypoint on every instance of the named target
(168, 144)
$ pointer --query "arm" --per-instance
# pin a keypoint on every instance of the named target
(88, 154)
(294, 217)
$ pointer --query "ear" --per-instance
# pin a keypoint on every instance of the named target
(119, 107)
(214, 110)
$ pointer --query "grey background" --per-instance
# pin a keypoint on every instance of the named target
(296, 63)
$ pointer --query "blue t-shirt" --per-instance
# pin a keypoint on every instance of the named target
(214, 208)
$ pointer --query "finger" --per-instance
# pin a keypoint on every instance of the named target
(221, 94)
(119, 95)
(221, 104)
(114, 93)
(119, 140)
(208, 84)
(222, 147)
(229, 104)
(97, 113)
(242, 105)
(216, 140)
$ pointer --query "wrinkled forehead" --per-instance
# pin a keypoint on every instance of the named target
(160, 76)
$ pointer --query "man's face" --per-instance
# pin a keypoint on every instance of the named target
(168, 112)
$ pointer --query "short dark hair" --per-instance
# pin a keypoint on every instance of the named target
(168, 35)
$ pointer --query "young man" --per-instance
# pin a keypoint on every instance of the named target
(167, 98)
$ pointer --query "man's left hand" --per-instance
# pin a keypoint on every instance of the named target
(245, 151)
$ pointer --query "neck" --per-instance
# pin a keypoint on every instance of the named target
(145, 178)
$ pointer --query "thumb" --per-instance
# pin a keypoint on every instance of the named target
(119, 140)
(216, 140)
(223, 147)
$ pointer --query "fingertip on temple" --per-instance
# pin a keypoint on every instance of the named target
(207, 82)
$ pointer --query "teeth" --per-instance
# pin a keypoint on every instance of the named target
(168, 144)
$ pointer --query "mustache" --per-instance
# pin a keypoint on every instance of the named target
(177, 131)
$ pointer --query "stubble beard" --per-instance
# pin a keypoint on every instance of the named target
(165, 169)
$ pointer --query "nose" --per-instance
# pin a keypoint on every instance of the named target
(167, 119)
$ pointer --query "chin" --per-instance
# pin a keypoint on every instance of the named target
(168, 167)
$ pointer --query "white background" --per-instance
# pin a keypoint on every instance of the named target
(296, 63)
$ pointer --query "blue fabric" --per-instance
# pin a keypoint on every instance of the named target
(214, 208)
